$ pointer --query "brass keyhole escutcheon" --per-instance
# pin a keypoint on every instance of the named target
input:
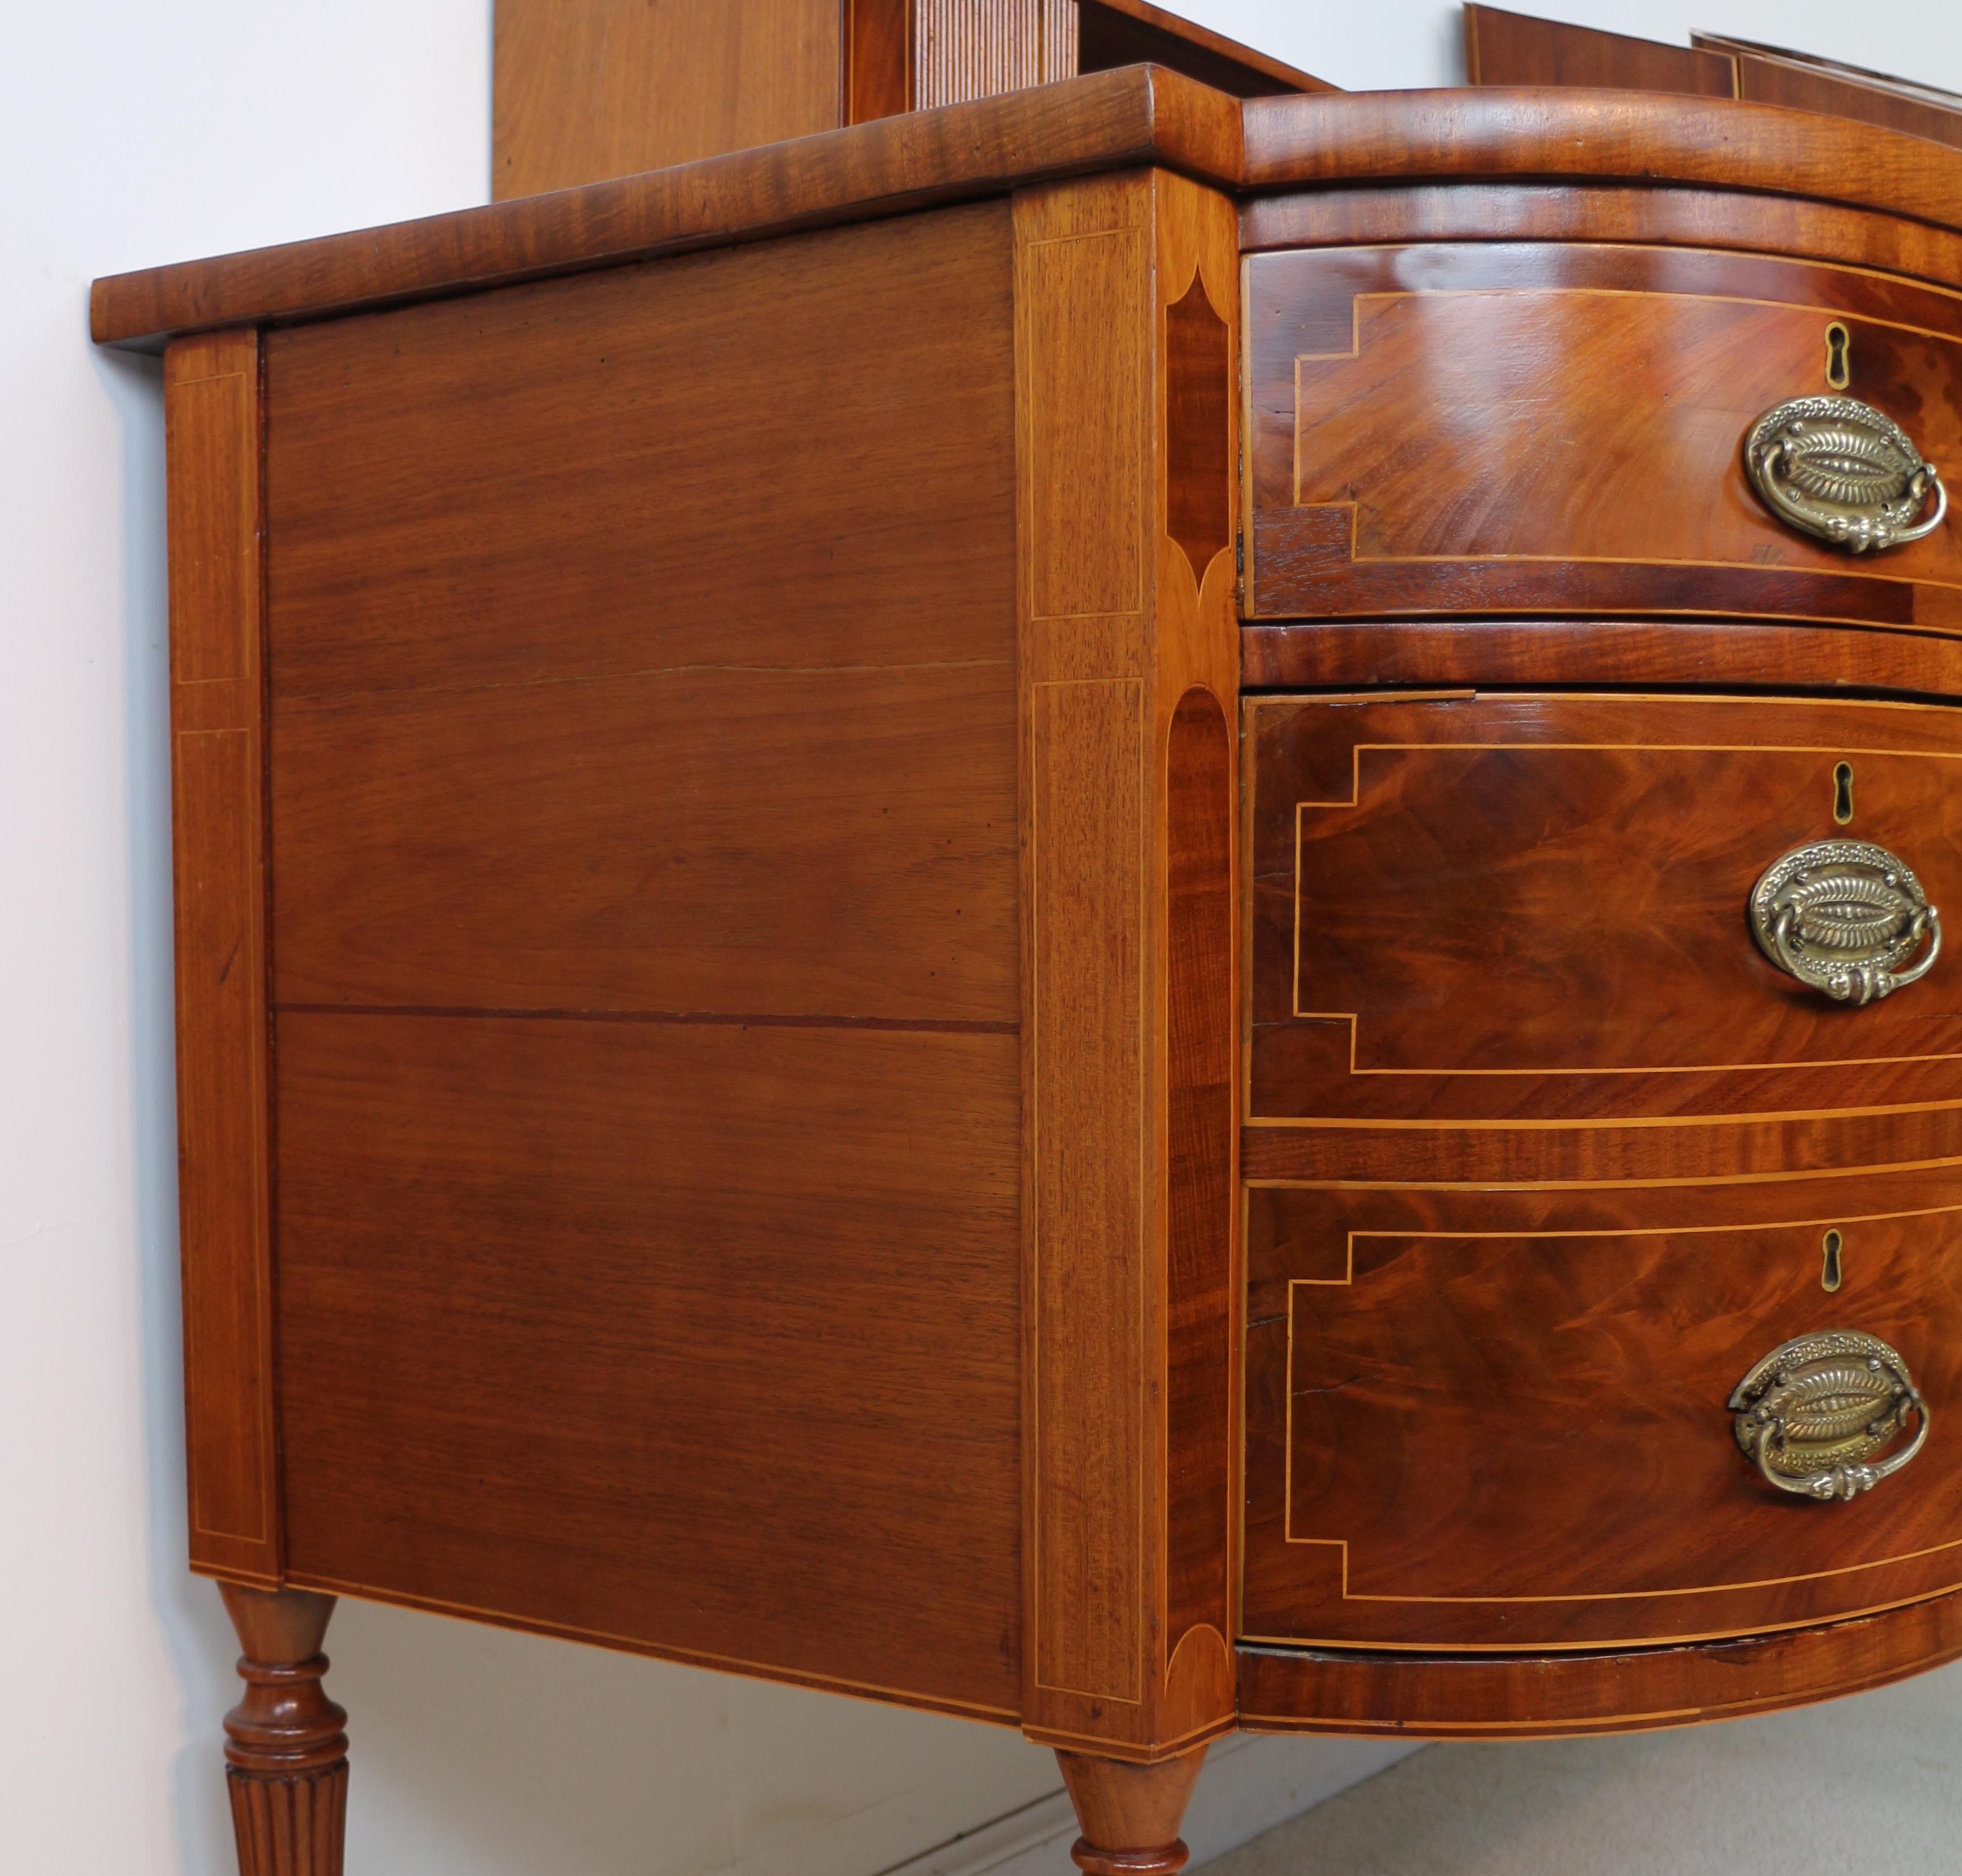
(1842, 794)
(1839, 357)
(1832, 1276)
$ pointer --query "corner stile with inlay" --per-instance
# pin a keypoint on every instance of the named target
(213, 416)
(1125, 292)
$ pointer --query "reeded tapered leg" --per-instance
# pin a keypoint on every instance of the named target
(284, 1751)
(1129, 1815)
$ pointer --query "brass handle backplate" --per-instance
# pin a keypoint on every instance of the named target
(1846, 916)
(1840, 471)
(1813, 1414)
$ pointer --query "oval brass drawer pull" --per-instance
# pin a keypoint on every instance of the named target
(1841, 472)
(1844, 916)
(1813, 1413)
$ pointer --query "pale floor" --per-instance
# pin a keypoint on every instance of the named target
(1869, 1786)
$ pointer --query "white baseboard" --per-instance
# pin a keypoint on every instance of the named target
(1251, 1782)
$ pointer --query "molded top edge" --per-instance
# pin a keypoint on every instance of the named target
(1141, 115)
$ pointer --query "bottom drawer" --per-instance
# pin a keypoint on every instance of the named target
(1500, 1419)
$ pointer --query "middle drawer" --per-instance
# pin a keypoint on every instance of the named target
(1534, 909)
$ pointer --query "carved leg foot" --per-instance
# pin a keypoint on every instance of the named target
(286, 1752)
(1129, 1814)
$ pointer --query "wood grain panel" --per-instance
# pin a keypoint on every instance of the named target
(1542, 134)
(1126, 816)
(1694, 218)
(1086, 752)
(587, 90)
(1199, 428)
(558, 483)
(1289, 1690)
(1201, 1022)
(838, 845)
(1515, 49)
(1088, 422)
(962, 50)
(1769, 74)
(1430, 430)
(1435, 653)
(1643, 1150)
(1497, 1419)
(879, 58)
(731, 748)
(696, 1340)
(1520, 907)
(1112, 33)
(212, 413)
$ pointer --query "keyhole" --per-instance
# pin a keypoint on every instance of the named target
(1829, 1278)
(1842, 794)
(1838, 356)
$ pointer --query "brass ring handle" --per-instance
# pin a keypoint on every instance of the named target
(1843, 472)
(1813, 1414)
(1845, 917)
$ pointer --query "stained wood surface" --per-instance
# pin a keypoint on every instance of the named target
(1560, 212)
(1641, 1149)
(285, 1747)
(1112, 33)
(1595, 136)
(1202, 1022)
(584, 91)
(1431, 653)
(1515, 49)
(1489, 1697)
(212, 417)
(1091, 1295)
(1498, 1420)
(960, 51)
(1086, 358)
(1604, 849)
(1130, 1814)
(698, 1339)
(727, 754)
(1112, 120)
(1770, 74)
(1127, 1315)
(646, 922)
(1108, 121)
(1199, 471)
(1478, 428)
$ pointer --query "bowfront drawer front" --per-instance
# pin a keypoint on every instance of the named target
(1531, 911)
(1508, 1420)
(1456, 428)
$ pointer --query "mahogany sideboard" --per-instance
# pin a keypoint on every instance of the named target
(999, 910)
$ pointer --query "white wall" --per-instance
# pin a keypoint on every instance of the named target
(132, 133)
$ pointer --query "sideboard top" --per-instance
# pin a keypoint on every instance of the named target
(1139, 115)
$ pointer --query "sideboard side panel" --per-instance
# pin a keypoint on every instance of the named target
(643, 714)
(212, 415)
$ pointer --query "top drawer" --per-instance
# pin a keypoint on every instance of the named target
(1498, 427)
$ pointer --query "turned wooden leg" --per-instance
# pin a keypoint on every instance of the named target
(285, 1751)
(1129, 1814)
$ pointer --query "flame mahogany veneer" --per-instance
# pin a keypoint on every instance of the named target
(799, 1052)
